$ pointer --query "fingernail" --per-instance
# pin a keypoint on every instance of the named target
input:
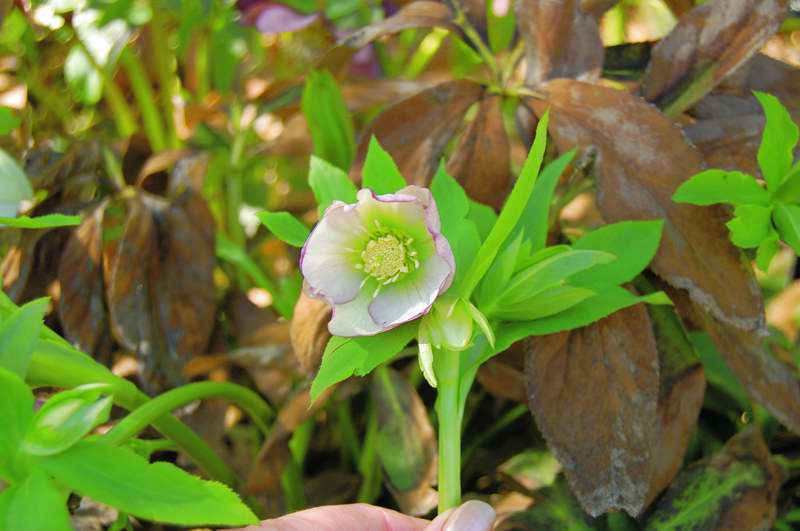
(472, 516)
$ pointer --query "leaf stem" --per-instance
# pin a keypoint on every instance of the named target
(449, 430)
(461, 20)
(143, 92)
(143, 416)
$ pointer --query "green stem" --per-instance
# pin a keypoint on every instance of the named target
(461, 20)
(145, 98)
(201, 67)
(162, 58)
(368, 464)
(145, 415)
(56, 364)
(292, 476)
(449, 430)
(347, 430)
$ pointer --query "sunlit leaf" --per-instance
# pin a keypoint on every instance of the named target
(285, 227)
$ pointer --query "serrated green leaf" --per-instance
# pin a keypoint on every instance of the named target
(19, 335)
(161, 492)
(66, 418)
(348, 356)
(380, 173)
(767, 249)
(37, 505)
(16, 410)
(634, 243)
(328, 120)
(776, 152)
(543, 304)
(14, 185)
(750, 226)
(787, 219)
(329, 184)
(285, 227)
(714, 186)
(50, 221)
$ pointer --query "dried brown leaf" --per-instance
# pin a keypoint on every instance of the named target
(560, 41)
(709, 42)
(309, 331)
(504, 375)
(416, 130)
(81, 308)
(594, 394)
(597, 8)
(480, 161)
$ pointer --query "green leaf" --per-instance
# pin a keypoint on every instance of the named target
(380, 173)
(499, 275)
(501, 29)
(634, 243)
(16, 410)
(535, 221)
(285, 227)
(329, 184)
(767, 250)
(544, 303)
(750, 226)
(82, 77)
(328, 119)
(66, 418)
(8, 121)
(511, 212)
(161, 492)
(6, 495)
(719, 186)
(19, 336)
(37, 505)
(483, 217)
(787, 219)
(346, 356)
(789, 192)
(50, 221)
(776, 152)
(14, 185)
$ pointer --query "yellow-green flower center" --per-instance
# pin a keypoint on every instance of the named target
(387, 257)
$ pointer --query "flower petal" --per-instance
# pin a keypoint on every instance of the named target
(353, 319)
(406, 300)
(326, 259)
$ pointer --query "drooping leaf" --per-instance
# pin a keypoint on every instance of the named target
(14, 185)
(328, 120)
(561, 41)
(480, 161)
(81, 308)
(604, 379)
(19, 336)
(37, 504)
(736, 488)
(16, 409)
(416, 130)
(776, 153)
(346, 356)
(285, 227)
(329, 184)
(308, 331)
(709, 42)
(159, 491)
(66, 418)
(750, 226)
(718, 186)
(380, 173)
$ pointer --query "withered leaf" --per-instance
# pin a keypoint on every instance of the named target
(504, 375)
(416, 130)
(406, 442)
(729, 143)
(480, 161)
(642, 158)
(737, 488)
(594, 395)
(18, 263)
(81, 308)
(709, 42)
(681, 390)
(560, 41)
(309, 331)
(597, 8)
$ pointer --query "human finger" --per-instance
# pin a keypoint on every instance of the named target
(355, 517)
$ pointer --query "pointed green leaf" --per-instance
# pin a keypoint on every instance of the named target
(483, 217)
(16, 412)
(380, 173)
(37, 505)
(719, 186)
(500, 28)
(329, 184)
(750, 226)
(285, 227)
(787, 219)
(50, 221)
(776, 152)
(19, 335)
(328, 120)
(162, 492)
(545, 303)
(789, 192)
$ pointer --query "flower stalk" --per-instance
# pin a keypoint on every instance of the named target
(449, 430)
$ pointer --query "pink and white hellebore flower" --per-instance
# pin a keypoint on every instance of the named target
(379, 262)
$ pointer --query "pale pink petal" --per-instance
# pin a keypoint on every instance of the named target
(406, 300)
(326, 260)
(277, 18)
(353, 319)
